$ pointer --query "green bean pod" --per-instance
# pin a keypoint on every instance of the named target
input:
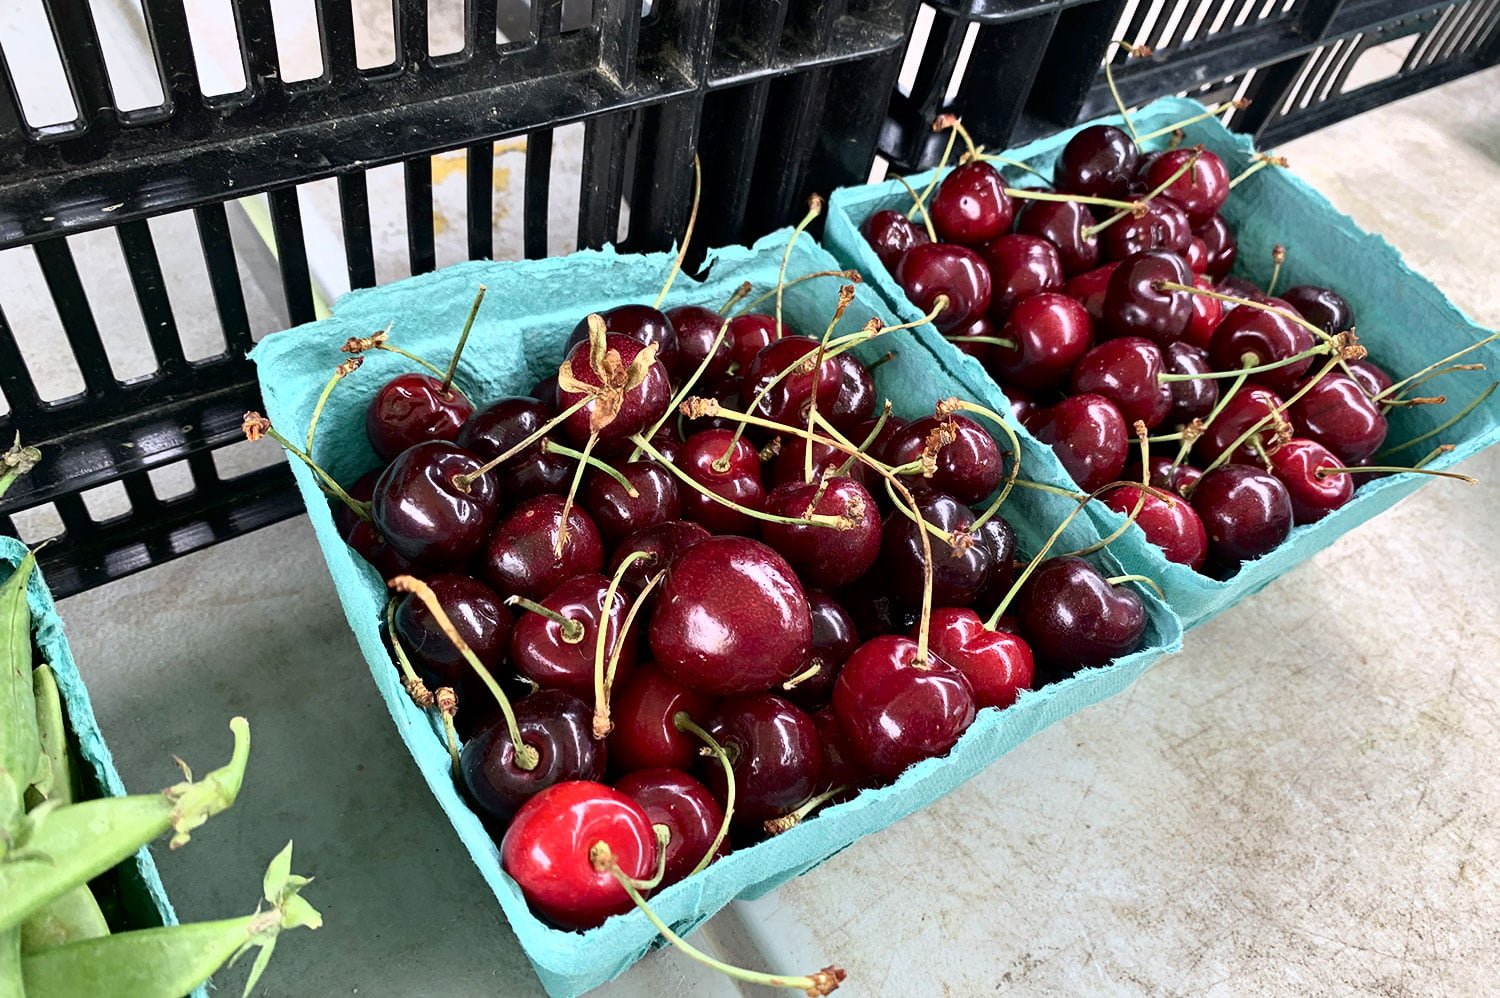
(52, 733)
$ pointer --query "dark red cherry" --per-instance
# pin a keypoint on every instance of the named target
(672, 798)
(547, 850)
(1248, 407)
(1246, 511)
(1020, 266)
(770, 392)
(825, 556)
(697, 329)
(1099, 161)
(970, 206)
(879, 447)
(969, 464)
(736, 479)
(1195, 398)
(362, 535)
(834, 637)
(664, 542)
(790, 464)
(1089, 288)
(496, 429)
(1202, 190)
(839, 767)
(965, 338)
(1323, 308)
(558, 726)
(725, 389)
(1254, 336)
(1297, 463)
(1338, 414)
(1207, 313)
(1064, 225)
(545, 390)
(639, 404)
(774, 750)
(875, 608)
(997, 664)
(750, 333)
(856, 397)
(1135, 304)
(1089, 436)
(1370, 376)
(731, 618)
(428, 513)
(934, 270)
(897, 709)
(1196, 257)
(1051, 332)
(1164, 226)
(1074, 619)
(1164, 476)
(641, 323)
(520, 558)
(1173, 527)
(1126, 371)
(957, 575)
(1023, 402)
(413, 408)
(478, 615)
(617, 513)
(890, 234)
(644, 709)
(560, 656)
(1219, 244)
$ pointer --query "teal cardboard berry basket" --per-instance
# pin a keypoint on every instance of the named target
(1401, 318)
(530, 310)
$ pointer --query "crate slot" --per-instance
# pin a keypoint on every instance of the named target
(375, 35)
(218, 55)
(37, 524)
(129, 57)
(36, 70)
(172, 481)
(107, 502)
(35, 362)
(298, 49)
(106, 277)
(445, 27)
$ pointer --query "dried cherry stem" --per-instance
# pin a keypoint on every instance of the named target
(1271, 417)
(340, 372)
(571, 631)
(1431, 370)
(1325, 472)
(526, 756)
(955, 123)
(837, 441)
(1278, 257)
(572, 496)
(463, 339)
(682, 722)
(1262, 160)
(256, 426)
(1114, 90)
(921, 207)
(687, 235)
(950, 405)
(1213, 112)
(466, 480)
(1140, 499)
(738, 296)
(845, 275)
(882, 360)
(814, 209)
(446, 701)
(937, 171)
(993, 340)
(15, 462)
(604, 678)
(380, 341)
(864, 445)
(550, 446)
(1089, 231)
(1478, 401)
(775, 826)
(1317, 331)
(686, 389)
(1434, 454)
(410, 681)
(1115, 580)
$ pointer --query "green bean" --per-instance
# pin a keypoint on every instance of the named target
(52, 733)
(73, 843)
(19, 750)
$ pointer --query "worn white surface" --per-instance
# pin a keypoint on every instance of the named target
(1304, 801)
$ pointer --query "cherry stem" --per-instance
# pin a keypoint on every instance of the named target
(1261, 306)
(936, 174)
(526, 756)
(1415, 400)
(1434, 454)
(952, 121)
(775, 826)
(1140, 499)
(917, 202)
(864, 445)
(814, 209)
(955, 404)
(568, 500)
(1114, 90)
(463, 339)
(447, 704)
(1321, 348)
(572, 630)
(1278, 257)
(682, 722)
(687, 235)
(1021, 194)
(433, 369)
(256, 426)
(604, 680)
(663, 836)
(1115, 580)
(1431, 369)
(1270, 417)
(411, 682)
(1447, 424)
(803, 676)
(340, 372)
(464, 481)
(734, 299)
(845, 275)
(686, 389)
(846, 295)
(1212, 112)
(1026, 483)
(1262, 160)
(1089, 231)
(837, 441)
(990, 157)
(1325, 472)
(550, 446)
(995, 340)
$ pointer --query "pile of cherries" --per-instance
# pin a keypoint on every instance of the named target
(1105, 301)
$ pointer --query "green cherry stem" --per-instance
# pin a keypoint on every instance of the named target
(734, 299)
(571, 631)
(682, 722)
(1478, 401)
(1270, 417)
(340, 372)
(1395, 470)
(1432, 369)
(572, 496)
(1278, 257)
(1115, 580)
(1021, 194)
(1314, 351)
(814, 209)
(852, 276)
(775, 826)
(959, 405)
(686, 389)
(687, 235)
(992, 340)
(1433, 455)
(466, 480)
(410, 681)
(1114, 89)
(1212, 112)
(990, 157)
(937, 171)
(921, 207)
(864, 445)
(550, 446)
(1262, 160)
(1317, 331)
(604, 679)
(256, 426)
(1093, 230)
(463, 339)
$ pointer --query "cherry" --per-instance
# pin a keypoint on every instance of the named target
(969, 465)
(787, 401)
(557, 725)
(1253, 336)
(1022, 402)
(426, 512)
(413, 408)
(520, 558)
(645, 735)
(823, 555)
(692, 816)
(774, 750)
(839, 767)
(1201, 191)
(1051, 333)
(731, 618)
(1207, 312)
(1089, 287)
(790, 464)
(641, 323)
(559, 654)
(856, 398)
(495, 430)
(1099, 161)
(478, 615)
(1370, 376)
(879, 446)
(726, 390)
(1075, 618)
(1020, 266)
(875, 608)
(1166, 476)
(1196, 257)
(362, 535)
(997, 664)
(936, 270)
(891, 234)
(1089, 436)
(971, 206)
(546, 850)
(973, 339)
(697, 329)
(750, 333)
(1219, 245)
(1248, 407)
(1338, 414)
(1174, 527)
(1196, 397)
(1323, 308)
(739, 481)
(620, 405)
(1164, 226)
(1064, 224)
(959, 573)
(664, 542)
(1297, 463)
(834, 637)
(1126, 371)
(1240, 288)
(897, 708)
(1246, 511)
(616, 513)
(1136, 305)
(545, 390)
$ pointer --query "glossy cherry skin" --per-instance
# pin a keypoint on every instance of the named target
(1023, 402)
(774, 750)
(558, 726)
(970, 465)
(1051, 332)
(1074, 619)
(1164, 226)
(1297, 463)
(933, 270)
(1196, 257)
(890, 234)
(1255, 336)
(739, 482)
(1089, 436)
(697, 329)
(1020, 266)
(788, 399)
(895, 709)
(1246, 510)
(1219, 245)
(1088, 289)
(1136, 305)
(964, 339)
(1323, 308)
(410, 409)
(1248, 407)
(1126, 371)
(520, 558)
(1207, 313)
(616, 513)
(1175, 528)
(957, 576)
(1371, 377)
(750, 333)
(546, 850)
(496, 429)
(672, 798)
(834, 638)
(731, 618)
(1193, 399)
(426, 516)
(825, 556)
(641, 323)
(856, 399)
(1164, 476)
(540, 651)
(641, 405)
(1240, 288)
(644, 708)
(1338, 414)
(998, 664)
(1063, 224)
(362, 535)
(480, 618)
(1202, 190)
(790, 464)
(663, 542)
(1099, 161)
(839, 766)
(970, 206)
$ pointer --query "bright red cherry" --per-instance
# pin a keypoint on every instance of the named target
(969, 466)
(413, 408)
(935, 270)
(1338, 414)
(789, 395)
(970, 206)
(1247, 408)
(558, 726)
(1370, 376)
(1174, 527)
(1088, 289)
(1051, 333)
(692, 816)
(1207, 312)
(1020, 266)
(823, 555)
(1099, 161)
(890, 234)
(1202, 190)
(774, 750)
(750, 333)
(644, 709)
(1126, 371)
(621, 405)
(1075, 619)
(521, 559)
(1136, 304)
(428, 510)
(997, 664)
(1297, 463)
(736, 478)
(1246, 510)
(1089, 436)
(1196, 257)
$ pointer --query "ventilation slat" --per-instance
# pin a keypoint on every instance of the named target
(601, 180)
(291, 254)
(72, 303)
(166, 22)
(538, 188)
(354, 216)
(15, 380)
(479, 169)
(151, 293)
(419, 235)
(224, 277)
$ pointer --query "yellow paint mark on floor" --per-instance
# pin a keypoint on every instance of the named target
(446, 164)
(439, 223)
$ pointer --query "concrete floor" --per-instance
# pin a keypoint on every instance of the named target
(1303, 801)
